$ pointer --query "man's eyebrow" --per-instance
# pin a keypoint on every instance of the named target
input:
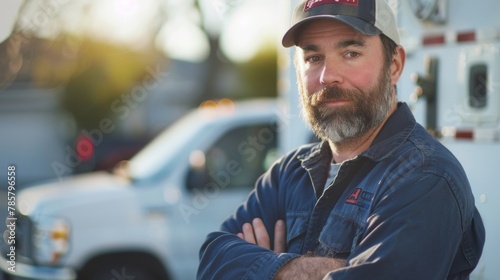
(353, 42)
(309, 48)
(340, 45)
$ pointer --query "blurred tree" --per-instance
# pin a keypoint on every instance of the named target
(214, 63)
(256, 77)
(104, 72)
(12, 52)
(53, 45)
(259, 75)
(50, 54)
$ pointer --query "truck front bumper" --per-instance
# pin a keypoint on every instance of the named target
(25, 271)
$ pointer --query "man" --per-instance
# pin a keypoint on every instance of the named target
(378, 198)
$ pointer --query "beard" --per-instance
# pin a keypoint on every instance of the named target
(342, 123)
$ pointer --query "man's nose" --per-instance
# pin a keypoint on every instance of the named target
(331, 73)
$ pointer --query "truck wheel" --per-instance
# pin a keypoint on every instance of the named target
(119, 272)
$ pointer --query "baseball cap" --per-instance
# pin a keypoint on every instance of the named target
(370, 17)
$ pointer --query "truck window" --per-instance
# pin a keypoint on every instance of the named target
(237, 158)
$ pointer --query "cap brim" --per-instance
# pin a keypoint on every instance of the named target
(290, 37)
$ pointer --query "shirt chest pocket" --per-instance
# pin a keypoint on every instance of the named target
(339, 236)
(296, 227)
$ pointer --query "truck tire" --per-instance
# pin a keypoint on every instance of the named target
(119, 272)
(123, 266)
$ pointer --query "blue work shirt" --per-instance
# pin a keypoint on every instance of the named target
(403, 209)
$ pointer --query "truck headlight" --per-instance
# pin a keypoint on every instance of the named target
(50, 240)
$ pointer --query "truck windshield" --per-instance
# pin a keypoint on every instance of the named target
(163, 148)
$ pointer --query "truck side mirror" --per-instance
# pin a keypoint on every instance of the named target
(197, 175)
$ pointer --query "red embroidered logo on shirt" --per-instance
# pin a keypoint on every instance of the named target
(353, 198)
(313, 3)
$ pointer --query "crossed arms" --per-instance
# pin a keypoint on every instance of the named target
(401, 231)
(298, 268)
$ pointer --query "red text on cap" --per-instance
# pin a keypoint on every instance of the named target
(313, 3)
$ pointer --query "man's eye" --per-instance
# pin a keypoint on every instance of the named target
(313, 58)
(352, 54)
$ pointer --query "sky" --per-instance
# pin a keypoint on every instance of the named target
(250, 27)
(7, 17)
(246, 24)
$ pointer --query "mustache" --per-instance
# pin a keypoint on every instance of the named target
(327, 94)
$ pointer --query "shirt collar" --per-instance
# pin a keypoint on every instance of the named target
(393, 134)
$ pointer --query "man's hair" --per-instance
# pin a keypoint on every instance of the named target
(389, 49)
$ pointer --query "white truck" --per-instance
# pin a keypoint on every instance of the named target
(452, 83)
(147, 220)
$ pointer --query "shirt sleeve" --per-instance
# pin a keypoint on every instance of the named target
(414, 233)
(225, 256)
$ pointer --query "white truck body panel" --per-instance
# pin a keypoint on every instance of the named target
(454, 112)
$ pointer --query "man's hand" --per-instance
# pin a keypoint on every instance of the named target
(256, 233)
(299, 268)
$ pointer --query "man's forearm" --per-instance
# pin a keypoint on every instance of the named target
(305, 267)
(308, 268)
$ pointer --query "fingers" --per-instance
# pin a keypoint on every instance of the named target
(280, 237)
(261, 233)
(248, 233)
(257, 234)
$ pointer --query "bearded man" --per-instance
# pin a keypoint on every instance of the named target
(378, 198)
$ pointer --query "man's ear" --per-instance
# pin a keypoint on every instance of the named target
(398, 64)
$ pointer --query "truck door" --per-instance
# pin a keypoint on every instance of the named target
(219, 180)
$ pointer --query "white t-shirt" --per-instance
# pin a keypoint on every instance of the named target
(334, 169)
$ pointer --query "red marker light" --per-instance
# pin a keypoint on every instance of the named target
(84, 148)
